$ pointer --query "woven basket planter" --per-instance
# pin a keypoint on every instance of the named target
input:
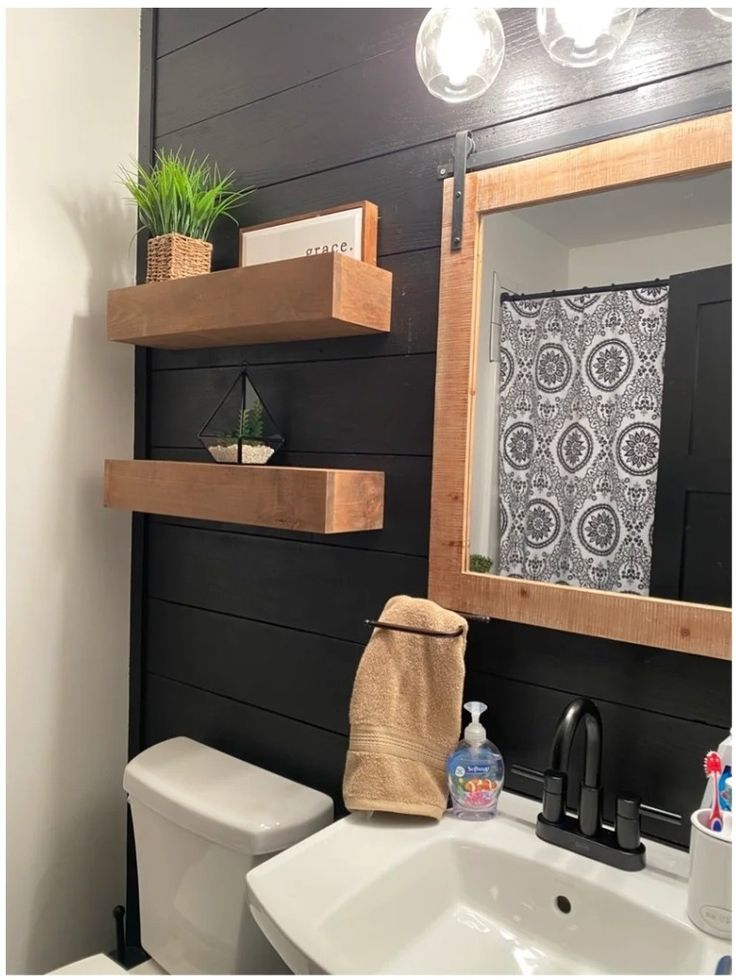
(176, 256)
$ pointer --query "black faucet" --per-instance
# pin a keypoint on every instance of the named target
(622, 847)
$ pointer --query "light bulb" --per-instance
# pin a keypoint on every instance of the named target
(581, 36)
(723, 13)
(459, 51)
(460, 46)
(585, 24)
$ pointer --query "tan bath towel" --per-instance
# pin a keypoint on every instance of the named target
(405, 712)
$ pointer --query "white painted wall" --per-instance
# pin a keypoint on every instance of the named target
(72, 118)
(517, 258)
(657, 256)
(524, 258)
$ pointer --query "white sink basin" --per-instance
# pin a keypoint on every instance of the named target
(383, 894)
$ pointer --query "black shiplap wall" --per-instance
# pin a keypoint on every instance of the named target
(248, 639)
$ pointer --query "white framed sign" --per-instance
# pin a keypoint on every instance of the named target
(350, 229)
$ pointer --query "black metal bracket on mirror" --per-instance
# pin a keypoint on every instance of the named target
(464, 146)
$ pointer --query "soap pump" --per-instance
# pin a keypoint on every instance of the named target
(475, 770)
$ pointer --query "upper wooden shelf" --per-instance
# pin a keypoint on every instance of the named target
(287, 497)
(309, 298)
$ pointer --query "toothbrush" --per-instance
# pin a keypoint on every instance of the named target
(713, 767)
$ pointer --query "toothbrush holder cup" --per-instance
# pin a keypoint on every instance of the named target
(709, 884)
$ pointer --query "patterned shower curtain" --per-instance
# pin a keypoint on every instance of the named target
(580, 409)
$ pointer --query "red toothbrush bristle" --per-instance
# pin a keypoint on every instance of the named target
(712, 763)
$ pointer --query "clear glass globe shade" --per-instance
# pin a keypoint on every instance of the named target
(582, 35)
(723, 13)
(459, 51)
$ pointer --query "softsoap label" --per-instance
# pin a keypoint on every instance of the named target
(472, 785)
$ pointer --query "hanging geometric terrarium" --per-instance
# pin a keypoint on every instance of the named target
(241, 429)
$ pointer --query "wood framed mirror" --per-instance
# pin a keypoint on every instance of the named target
(677, 177)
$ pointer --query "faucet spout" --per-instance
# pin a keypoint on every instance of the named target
(582, 709)
(585, 833)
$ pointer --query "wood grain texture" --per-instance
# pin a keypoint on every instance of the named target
(235, 666)
(648, 678)
(180, 27)
(378, 405)
(315, 588)
(324, 501)
(298, 299)
(693, 147)
(380, 105)
(232, 68)
(404, 183)
(690, 147)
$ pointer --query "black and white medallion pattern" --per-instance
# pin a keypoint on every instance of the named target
(580, 407)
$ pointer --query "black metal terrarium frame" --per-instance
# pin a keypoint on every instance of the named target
(241, 429)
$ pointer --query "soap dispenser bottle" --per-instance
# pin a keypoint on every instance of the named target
(475, 771)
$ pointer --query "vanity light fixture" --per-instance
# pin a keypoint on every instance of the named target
(722, 13)
(459, 51)
(582, 35)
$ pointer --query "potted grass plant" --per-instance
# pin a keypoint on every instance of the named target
(179, 199)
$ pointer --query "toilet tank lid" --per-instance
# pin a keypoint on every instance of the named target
(228, 801)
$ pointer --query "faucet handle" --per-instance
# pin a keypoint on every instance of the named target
(554, 791)
(554, 795)
(628, 829)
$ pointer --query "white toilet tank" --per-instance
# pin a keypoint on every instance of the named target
(202, 820)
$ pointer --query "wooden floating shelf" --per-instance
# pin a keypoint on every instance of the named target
(291, 498)
(308, 298)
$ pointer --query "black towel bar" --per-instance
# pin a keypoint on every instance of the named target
(397, 627)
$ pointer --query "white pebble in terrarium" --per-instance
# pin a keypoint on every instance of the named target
(259, 454)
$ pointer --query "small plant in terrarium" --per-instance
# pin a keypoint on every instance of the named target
(241, 429)
(250, 423)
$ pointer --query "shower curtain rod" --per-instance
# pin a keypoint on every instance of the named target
(613, 288)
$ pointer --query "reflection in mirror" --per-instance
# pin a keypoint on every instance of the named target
(601, 436)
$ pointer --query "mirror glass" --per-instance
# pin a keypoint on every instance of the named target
(602, 416)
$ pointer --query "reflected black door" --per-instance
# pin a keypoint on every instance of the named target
(691, 545)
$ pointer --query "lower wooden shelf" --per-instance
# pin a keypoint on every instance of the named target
(286, 497)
